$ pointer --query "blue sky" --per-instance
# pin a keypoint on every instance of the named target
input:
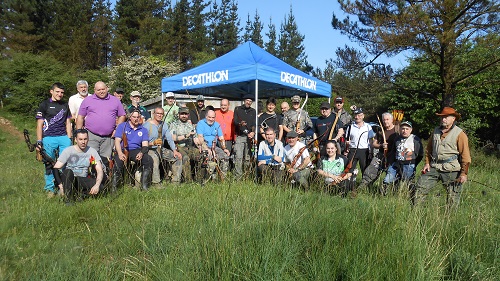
(313, 18)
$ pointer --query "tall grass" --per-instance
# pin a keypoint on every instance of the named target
(239, 230)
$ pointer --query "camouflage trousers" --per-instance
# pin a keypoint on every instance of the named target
(429, 180)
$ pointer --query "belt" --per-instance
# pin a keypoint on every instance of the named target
(447, 160)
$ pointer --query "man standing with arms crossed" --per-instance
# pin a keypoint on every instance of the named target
(100, 113)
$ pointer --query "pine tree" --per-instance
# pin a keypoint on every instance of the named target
(101, 27)
(247, 36)
(291, 44)
(271, 45)
(224, 27)
(23, 26)
(257, 27)
(179, 37)
(138, 24)
(198, 32)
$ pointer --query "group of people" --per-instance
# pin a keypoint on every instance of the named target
(110, 137)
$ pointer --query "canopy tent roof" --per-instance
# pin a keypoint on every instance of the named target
(235, 74)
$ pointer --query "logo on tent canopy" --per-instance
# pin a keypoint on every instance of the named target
(298, 80)
(205, 78)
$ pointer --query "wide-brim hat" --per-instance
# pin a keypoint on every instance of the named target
(449, 111)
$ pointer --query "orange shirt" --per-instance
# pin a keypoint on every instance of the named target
(225, 119)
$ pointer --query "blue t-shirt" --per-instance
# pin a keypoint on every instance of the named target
(209, 132)
(134, 137)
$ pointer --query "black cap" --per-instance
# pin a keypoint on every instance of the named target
(249, 97)
(325, 104)
(119, 90)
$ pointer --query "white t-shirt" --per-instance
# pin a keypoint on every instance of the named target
(357, 131)
(290, 153)
(74, 103)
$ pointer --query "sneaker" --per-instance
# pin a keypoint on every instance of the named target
(50, 194)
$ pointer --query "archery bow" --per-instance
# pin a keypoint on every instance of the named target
(297, 125)
(385, 140)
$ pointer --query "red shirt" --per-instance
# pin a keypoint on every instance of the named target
(225, 119)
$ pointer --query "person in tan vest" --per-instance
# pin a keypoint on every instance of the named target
(447, 159)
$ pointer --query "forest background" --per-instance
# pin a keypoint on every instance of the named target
(454, 47)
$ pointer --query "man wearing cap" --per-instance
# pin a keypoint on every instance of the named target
(244, 122)
(298, 160)
(159, 137)
(297, 119)
(118, 93)
(100, 112)
(360, 136)
(225, 118)
(135, 97)
(324, 126)
(408, 152)
(345, 117)
(199, 111)
(171, 109)
(184, 135)
(383, 151)
(74, 102)
(447, 159)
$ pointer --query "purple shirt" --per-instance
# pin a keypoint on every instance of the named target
(100, 114)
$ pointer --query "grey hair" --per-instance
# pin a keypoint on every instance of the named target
(387, 114)
(80, 82)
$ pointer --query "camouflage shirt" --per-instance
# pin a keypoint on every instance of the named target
(290, 120)
(180, 128)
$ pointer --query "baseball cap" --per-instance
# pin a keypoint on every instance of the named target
(358, 110)
(200, 97)
(295, 98)
(135, 94)
(183, 110)
(406, 123)
(169, 95)
(325, 104)
(292, 134)
(119, 90)
(248, 97)
(339, 99)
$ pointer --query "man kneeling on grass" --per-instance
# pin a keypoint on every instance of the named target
(83, 173)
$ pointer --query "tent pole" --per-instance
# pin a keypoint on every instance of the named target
(162, 95)
(256, 125)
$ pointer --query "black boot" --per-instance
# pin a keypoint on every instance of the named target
(146, 179)
(116, 181)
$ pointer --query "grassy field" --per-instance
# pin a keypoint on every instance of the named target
(242, 231)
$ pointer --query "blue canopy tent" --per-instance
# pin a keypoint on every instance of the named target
(246, 69)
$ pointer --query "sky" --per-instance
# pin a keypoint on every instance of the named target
(313, 19)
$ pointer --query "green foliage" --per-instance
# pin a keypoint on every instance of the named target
(141, 74)
(478, 103)
(224, 27)
(441, 32)
(291, 44)
(27, 78)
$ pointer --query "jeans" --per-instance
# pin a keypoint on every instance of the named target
(397, 172)
(51, 144)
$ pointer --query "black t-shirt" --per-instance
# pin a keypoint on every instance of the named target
(193, 114)
(242, 113)
(54, 115)
(323, 124)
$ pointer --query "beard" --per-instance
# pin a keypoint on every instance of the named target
(83, 94)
